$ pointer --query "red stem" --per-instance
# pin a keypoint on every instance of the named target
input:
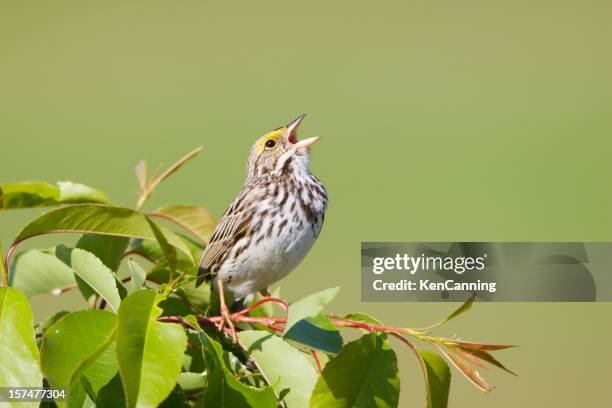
(273, 322)
(281, 302)
(7, 261)
(270, 323)
(317, 360)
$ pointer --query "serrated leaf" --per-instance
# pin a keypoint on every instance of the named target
(97, 276)
(363, 374)
(97, 219)
(18, 352)
(36, 271)
(224, 390)
(149, 352)
(199, 222)
(437, 379)
(310, 306)
(78, 345)
(40, 194)
(107, 248)
(286, 369)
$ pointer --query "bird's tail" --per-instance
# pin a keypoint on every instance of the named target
(204, 275)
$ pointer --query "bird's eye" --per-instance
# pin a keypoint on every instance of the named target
(270, 143)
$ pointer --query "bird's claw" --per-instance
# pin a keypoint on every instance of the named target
(226, 319)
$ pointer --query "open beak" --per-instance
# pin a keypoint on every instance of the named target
(292, 132)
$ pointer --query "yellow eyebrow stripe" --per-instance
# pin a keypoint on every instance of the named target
(275, 134)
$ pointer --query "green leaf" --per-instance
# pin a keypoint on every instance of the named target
(97, 219)
(168, 251)
(149, 352)
(107, 248)
(362, 318)
(193, 360)
(224, 390)
(286, 369)
(111, 395)
(35, 272)
(174, 306)
(139, 276)
(65, 254)
(40, 194)
(18, 351)
(192, 383)
(80, 193)
(199, 222)
(99, 371)
(176, 399)
(267, 309)
(89, 389)
(465, 306)
(151, 251)
(198, 297)
(72, 341)
(306, 325)
(437, 379)
(43, 326)
(310, 306)
(97, 276)
(79, 344)
(316, 332)
(363, 374)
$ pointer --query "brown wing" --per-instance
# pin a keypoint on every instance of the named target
(222, 238)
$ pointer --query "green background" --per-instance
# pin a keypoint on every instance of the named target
(445, 121)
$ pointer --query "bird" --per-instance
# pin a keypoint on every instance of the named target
(272, 223)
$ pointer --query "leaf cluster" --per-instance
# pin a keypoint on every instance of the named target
(151, 338)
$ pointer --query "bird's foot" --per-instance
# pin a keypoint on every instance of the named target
(226, 317)
(226, 320)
